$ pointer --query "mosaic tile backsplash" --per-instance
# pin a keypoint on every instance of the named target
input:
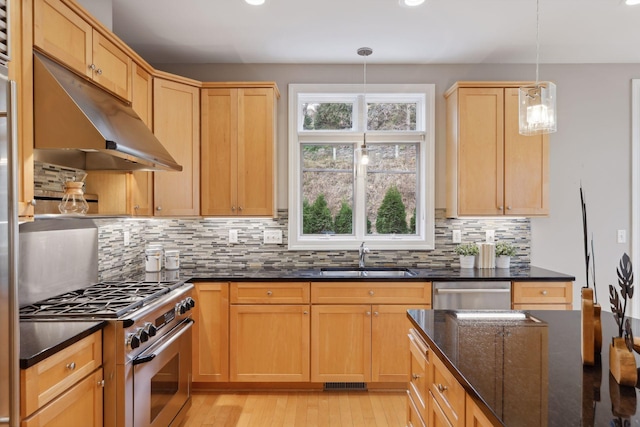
(203, 242)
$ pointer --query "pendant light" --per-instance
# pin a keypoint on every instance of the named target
(364, 151)
(537, 103)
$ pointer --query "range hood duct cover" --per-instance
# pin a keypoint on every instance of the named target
(71, 114)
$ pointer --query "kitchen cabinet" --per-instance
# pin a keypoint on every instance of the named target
(64, 386)
(474, 415)
(447, 396)
(211, 332)
(61, 33)
(417, 393)
(492, 170)
(176, 118)
(140, 184)
(263, 316)
(542, 295)
(238, 149)
(358, 329)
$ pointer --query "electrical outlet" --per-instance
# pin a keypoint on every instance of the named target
(126, 237)
(457, 236)
(233, 236)
(272, 236)
(622, 236)
(490, 236)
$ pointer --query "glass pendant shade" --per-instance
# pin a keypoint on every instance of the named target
(364, 155)
(537, 109)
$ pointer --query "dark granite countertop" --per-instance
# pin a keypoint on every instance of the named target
(529, 273)
(39, 340)
(532, 373)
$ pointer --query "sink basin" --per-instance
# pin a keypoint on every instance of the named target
(366, 272)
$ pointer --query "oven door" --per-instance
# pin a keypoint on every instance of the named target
(162, 378)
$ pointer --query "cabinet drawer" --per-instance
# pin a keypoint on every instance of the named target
(419, 382)
(413, 416)
(447, 392)
(269, 293)
(42, 382)
(542, 307)
(371, 293)
(542, 292)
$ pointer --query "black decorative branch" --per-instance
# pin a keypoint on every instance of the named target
(593, 271)
(585, 235)
(625, 282)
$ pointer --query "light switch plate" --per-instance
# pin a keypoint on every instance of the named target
(622, 236)
(127, 238)
(490, 236)
(457, 236)
(272, 236)
(233, 236)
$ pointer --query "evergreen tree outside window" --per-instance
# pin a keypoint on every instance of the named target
(335, 202)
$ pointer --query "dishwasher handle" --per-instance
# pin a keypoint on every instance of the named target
(473, 290)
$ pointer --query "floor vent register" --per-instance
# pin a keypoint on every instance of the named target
(345, 386)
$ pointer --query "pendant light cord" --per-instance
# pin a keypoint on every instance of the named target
(537, 38)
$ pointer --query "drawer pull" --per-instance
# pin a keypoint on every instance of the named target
(269, 293)
(442, 388)
(71, 366)
(415, 376)
(543, 292)
(371, 293)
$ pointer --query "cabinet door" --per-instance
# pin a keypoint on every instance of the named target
(176, 117)
(341, 343)
(219, 167)
(436, 416)
(112, 67)
(141, 182)
(480, 151)
(475, 416)
(390, 356)
(255, 152)
(526, 169)
(211, 333)
(258, 334)
(61, 33)
(82, 403)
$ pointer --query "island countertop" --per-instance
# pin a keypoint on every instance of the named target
(517, 388)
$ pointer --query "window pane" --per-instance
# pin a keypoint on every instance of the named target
(327, 116)
(327, 189)
(391, 116)
(392, 186)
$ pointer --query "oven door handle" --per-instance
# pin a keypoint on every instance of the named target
(184, 326)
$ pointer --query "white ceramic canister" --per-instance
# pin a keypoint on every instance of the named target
(172, 259)
(153, 258)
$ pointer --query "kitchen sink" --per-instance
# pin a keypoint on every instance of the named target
(366, 272)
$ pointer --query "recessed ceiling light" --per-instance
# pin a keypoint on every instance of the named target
(255, 2)
(632, 2)
(411, 3)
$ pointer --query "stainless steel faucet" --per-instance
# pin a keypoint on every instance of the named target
(361, 253)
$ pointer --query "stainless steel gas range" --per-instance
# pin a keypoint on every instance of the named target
(147, 338)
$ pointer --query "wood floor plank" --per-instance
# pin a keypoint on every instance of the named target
(297, 408)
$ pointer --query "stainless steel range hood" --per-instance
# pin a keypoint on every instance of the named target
(77, 124)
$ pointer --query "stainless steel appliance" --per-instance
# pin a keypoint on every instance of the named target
(147, 338)
(9, 326)
(476, 295)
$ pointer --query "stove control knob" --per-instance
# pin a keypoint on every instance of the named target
(191, 302)
(183, 307)
(178, 307)
(133, 341)
(150, 329)
(144, 336)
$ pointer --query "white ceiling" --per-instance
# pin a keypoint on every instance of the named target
(330, 31)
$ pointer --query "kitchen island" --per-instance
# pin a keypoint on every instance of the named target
(496, 365)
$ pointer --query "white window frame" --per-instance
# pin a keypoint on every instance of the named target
(425, 136)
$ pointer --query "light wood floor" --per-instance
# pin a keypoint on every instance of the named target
(298, 409)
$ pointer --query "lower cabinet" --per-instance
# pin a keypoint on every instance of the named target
(65, 388)
(542, 295)
(475, 416)
(211, 332)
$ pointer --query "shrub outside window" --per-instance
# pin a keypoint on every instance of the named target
(335, 202)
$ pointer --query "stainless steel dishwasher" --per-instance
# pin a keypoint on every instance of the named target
(474, 295)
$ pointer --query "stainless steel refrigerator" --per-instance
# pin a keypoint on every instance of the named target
(9, 322)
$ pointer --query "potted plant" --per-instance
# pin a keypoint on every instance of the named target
(467, 252)
(504, 252)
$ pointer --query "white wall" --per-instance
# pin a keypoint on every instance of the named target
(592, 145)
(102, 10)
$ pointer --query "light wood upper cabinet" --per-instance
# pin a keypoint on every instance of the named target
(492, 170)
(238, 149)
(211, 333)
(176, 117)
(63, 34)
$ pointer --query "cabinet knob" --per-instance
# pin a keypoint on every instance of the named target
(305, 312)
(136, 207)
(240, 208)
(99, 71)
(544, 292)
(371, 293)
(269, 293)
(508, 208)
(71, 366)
(92, 67)
(101, 383)
(501, 207)
(368, 313)
(32, 202)
(415, 376)
(375, 313)
(159, 208)
(233, 208)
(442, 388)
